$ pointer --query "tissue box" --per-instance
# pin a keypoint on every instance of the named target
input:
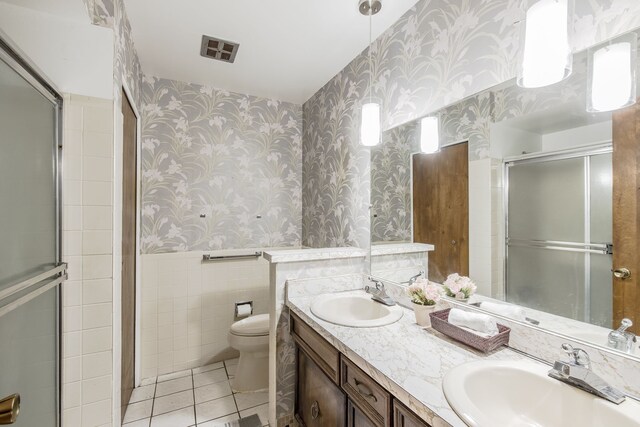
(440, 322)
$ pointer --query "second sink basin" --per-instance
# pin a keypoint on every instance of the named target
(506, 393)
(355, 310)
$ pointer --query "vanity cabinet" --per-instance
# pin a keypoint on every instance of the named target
(331, 391)
(403, 417)
(319, 402)
(365, 393)
(355, 417)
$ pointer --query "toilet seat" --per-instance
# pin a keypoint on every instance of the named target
(252, 326)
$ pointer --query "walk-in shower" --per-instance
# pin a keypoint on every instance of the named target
(558, 209)
(30, 250)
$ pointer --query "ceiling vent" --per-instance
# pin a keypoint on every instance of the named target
(221, 50)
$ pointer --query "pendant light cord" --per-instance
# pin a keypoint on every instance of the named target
(370, 57)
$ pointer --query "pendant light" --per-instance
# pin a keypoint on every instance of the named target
(429, 135)
(612, 74)
(545, 51)
(370, 121)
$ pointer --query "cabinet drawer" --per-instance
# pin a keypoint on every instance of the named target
(403, 417)
(319, 402)
(366, 394)
(319, 349)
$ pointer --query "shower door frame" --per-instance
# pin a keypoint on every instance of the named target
(18, 61)
(585, 152)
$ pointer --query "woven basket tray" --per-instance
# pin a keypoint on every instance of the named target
(440, 322)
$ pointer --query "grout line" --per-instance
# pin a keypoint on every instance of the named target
(193, 389)
(153, 403)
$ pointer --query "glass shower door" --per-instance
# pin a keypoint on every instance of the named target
(559, 230)
(30, 271)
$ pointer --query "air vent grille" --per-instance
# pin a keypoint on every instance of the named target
(219, 49)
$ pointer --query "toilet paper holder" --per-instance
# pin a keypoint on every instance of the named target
(239, 305)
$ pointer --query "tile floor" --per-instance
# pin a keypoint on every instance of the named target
(197, 397)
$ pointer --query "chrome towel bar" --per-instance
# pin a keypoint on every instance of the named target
(209, 258)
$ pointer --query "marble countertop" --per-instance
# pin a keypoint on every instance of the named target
(378, 249)
(313, 254)
(410, 362)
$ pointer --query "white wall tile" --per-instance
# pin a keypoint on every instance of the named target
(96, 389)
(72, 344)
(98, 119)
(96, 315)
(97, 291)
(97, 193)
(87, 331)
(96, 365)
(72, 190)
(72, 293)
(72, 318)
(97, 144)
(96, 414)
(97, 168)
(72, 369)
(72, 243)
(96, 340)
(96, 267)
(97, 217)
(72, 395)
(97, 242)
(72, 217)
(188, 307)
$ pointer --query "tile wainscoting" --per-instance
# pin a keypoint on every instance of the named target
(188, 307)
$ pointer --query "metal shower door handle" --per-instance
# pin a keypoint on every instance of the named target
(9, 409)
(622, 273)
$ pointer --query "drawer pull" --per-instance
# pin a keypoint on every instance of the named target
(364, 390)
(315, 410)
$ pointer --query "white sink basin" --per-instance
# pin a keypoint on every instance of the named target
(493, 393)
(355, 310)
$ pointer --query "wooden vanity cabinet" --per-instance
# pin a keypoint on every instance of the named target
(331, 391)
(366, 394)
(355, 417)
(403, 417)
(319, 402)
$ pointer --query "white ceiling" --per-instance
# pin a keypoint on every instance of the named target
(561, 117)
(288, 48)
(74, 10)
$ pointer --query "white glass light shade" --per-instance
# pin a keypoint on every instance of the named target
(612, 75)
(370, 126)
(545, 51)
(429, 135)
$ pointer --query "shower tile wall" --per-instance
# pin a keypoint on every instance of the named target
(87, 234)
(188, 307)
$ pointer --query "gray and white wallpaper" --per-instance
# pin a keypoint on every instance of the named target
(391, 184)
(438, 53)
(237, 159)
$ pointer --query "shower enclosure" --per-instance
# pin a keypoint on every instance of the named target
(30, 267)
(558, 210)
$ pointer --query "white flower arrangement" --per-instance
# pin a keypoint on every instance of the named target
(423, 292)
(459, 287)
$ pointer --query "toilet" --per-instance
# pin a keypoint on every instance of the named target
(250, 337)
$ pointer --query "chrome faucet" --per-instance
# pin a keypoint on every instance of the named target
(621, 339)
(413, 279)
(577, 373)
(379, 293)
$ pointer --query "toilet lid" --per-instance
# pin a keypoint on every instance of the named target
(252, 326)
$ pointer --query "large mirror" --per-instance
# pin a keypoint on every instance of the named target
(526, 196)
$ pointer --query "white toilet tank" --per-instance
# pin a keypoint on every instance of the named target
(252, 326)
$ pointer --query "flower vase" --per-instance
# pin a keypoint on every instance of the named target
(422, 314)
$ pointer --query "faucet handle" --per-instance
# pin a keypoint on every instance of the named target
(578, 356)
(625, 324)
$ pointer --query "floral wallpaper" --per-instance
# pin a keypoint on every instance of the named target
(236, 159)
(391, 184)
(438, 53)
